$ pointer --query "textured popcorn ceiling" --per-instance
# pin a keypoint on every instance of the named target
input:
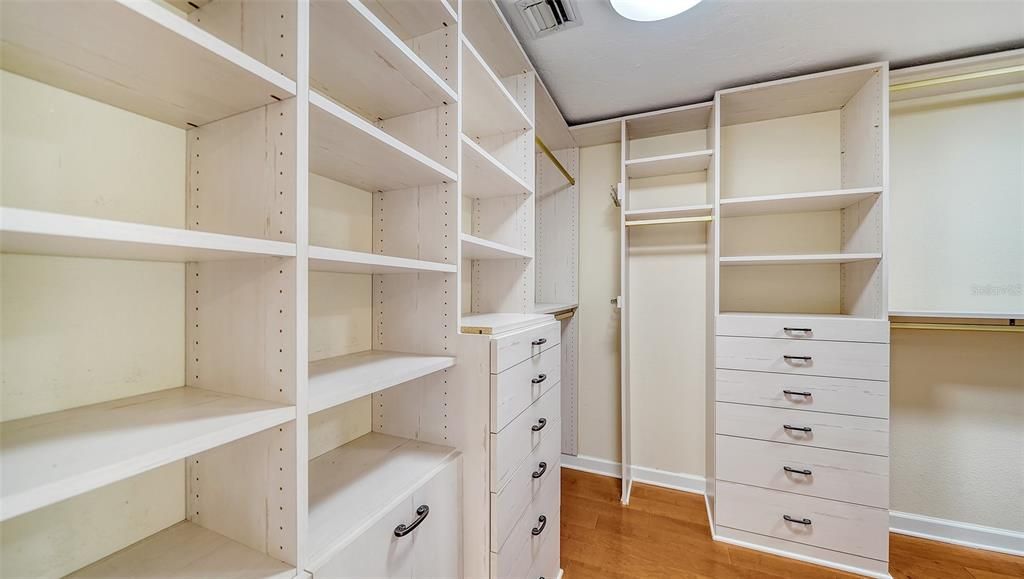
(611, 66)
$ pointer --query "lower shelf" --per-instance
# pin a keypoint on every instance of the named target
(341, 379)
(187, 550)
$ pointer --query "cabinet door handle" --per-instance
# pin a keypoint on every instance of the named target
(800, 358)
(541, 423)
(805, 472)
(421, 515)
(542, 468)
(798, 428)
(795, 393)
(803, 521)
(801, 330)
(539, 341)
(542, 522)
(540, 378)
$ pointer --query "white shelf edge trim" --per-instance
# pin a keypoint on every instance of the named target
(467, 140)
(366, 262)
(497, 81)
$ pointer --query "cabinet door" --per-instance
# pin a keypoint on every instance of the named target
(377, 552)
(438, 539)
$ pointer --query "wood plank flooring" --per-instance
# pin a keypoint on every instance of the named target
(664, 534)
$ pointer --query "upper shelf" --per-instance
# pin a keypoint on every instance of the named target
(796, 202)
(346, 148)
(136, 56)
(341, 379)
(803, 259)
(358, 61)
(42, 233)
(484, 176)
(668, 164)
(346, 261)
(476, 248)
(55, 456)
(668, 212)
(412, 19)
(485, 26)
(487, 106)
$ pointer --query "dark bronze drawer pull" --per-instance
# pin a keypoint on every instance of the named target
(540, 378)
(801, 330)
(795, 393)
(541, 423)
(421, 514)
(805, 472)
(800, 358)
(542, 522)
(789, 519)
(543, 469)
(540, 341)
(799, 428)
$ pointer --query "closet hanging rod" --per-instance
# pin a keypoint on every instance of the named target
(669, 220)
(544, 148)
(957, 78)
(955, 327)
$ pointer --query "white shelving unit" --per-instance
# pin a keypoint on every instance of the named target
(490, 108)
(483, 176)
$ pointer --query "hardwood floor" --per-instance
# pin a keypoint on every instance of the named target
(664, 534)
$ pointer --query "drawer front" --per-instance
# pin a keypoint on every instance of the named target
(523, 488)
(852, 529)
(511, 348)
(515, 389)
(819, 393)
(815, 358)
(828, 474)
(523, 548)
(542, 420)
(834, 431)
(377, 552)
(546, 565)
(803, 328)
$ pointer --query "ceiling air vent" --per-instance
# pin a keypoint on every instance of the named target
(544, 17)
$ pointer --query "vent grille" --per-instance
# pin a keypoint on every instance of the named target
(544, 17)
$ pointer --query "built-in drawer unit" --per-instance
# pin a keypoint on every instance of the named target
(511, 348)
(835, 525)
(515, 442)
(838, 328)
(524, 546)
(828, 474)
(817, 429)
(513, 390)
(869, 361)
(819, 393)
(523, 487)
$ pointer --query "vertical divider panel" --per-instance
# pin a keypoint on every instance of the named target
(626, 422)
(713, 252)
(297, 473)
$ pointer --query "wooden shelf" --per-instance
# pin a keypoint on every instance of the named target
(137, 56)
(497, 323)
(345, 261)
(187, 550)
(483, 176)
(674, 164)
(341, 379)
(354, 485)
(347, 149)
(42, 233)
(55, 456)
(487, 107)
(477, 248)
(796, 202)
(553, 308)
(358, 61)
(809, 259)
(669, 212)
(485, 26)
(409, 20)
(958, 315)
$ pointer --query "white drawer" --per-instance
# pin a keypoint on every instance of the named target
(511, 348)
(835, 525)
(521, 385)
(811, 357)
(828, 474)
(803, 327)
(546, 565)
(835, 431)
(508, 505)
(523, 548)
(819, 393)
(514, 443)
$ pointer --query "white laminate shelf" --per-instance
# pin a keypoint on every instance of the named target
(354, 485)
(344, 261)
(809, 259)
(483, 176)
(358, 61)
(56, 456)
(187, 551)
(796, 202)
(498, 322)
(335, 381)
(674, 164)
(681, 211)
(346, 148)
(409, 20)
(487, 106)
(553, 308)
(957, 315)
(42, 233)
(137, 56)
(477, 248)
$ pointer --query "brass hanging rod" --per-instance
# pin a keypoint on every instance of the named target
(956, 78)
(558, 164)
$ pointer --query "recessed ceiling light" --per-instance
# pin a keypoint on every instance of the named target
(650, 10)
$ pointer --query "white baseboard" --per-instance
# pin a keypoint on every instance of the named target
(687, 483)
(957, 533)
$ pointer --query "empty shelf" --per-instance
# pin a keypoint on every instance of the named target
(42, 233)
(668, 212)
(496, 323)
(357, 60)
(484, 176)
(668, 164)
(338, 380)
(477, 248)
(187, 550)
(136, 56)
(353, 485)
(347, 149)
(411, 19)
(487, 106)
(552, 308)
(345, 261)
(55, 456)
(800, 259)
(796, 202)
